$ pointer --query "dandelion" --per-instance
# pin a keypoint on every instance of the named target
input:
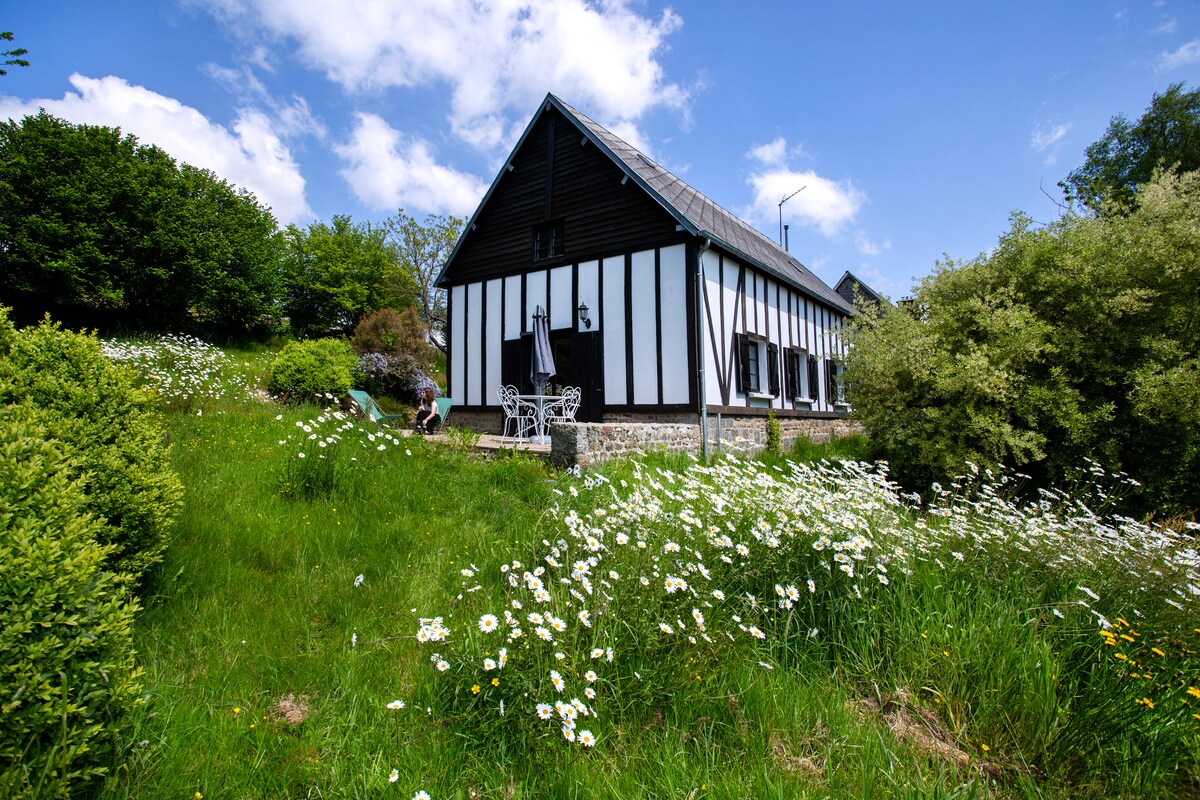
(488, 623)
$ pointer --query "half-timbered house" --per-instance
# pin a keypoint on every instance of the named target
(662, 305)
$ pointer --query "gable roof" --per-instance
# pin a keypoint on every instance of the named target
(852, 280)
(693, 211)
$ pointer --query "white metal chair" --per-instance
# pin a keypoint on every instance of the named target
(519, 415)
(563, 410)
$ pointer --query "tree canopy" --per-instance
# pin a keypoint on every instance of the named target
(1167, 136)
(12, 57)
(1076, 340)
(101, 230)
(421, 250)
(333, 274)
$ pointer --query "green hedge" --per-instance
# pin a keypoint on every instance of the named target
(94, 409)
(67, 673)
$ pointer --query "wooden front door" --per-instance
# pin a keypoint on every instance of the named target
(587, 368)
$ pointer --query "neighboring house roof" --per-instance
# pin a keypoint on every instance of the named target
(692, 210)
(850, 282)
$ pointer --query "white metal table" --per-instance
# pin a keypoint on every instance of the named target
(540, 402)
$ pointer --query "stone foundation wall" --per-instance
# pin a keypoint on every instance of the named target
(482, 421)
(751, 432)
(588, 443)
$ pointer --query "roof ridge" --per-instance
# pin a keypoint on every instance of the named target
(691, 217)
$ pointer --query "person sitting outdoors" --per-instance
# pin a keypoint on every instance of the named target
(427, 413)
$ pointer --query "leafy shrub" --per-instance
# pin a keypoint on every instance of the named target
(309, 369)
(774, 434)
(67, 674)
(1072, 340)
(93, 408)
(393, 333)
(401, 377)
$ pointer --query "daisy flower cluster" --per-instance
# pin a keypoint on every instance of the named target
(734, 558)
(183, 370)
(321, 449)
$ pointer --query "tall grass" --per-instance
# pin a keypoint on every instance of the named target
(1043, 649)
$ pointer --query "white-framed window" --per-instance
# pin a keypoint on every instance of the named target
(798, 387)
(757, 365)
(835, 389)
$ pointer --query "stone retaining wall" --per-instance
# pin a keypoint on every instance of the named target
(588, 443)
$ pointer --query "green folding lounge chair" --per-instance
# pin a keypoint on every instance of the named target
(370, 408)
(443, 409)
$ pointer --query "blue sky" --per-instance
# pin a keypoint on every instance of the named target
(914, 128)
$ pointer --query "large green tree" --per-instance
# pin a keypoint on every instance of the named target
(1075, 340)
(1167, 136)
(99, 229)
(334, 273)
(421, 250)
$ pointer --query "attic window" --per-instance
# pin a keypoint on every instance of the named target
(548, 240)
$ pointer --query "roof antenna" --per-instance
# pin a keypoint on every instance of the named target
(781, 202)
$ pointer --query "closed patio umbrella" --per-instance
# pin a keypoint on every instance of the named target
(541, 365)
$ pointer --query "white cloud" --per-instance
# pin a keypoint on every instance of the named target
(823, 203)
(293, 118)
(387, 170)
(1187, 54)
(868, 247)
(1168, 26)
(249, 154)
(1048, 140)
(496, 57)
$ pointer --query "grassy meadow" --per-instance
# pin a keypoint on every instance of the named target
(347, 612)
